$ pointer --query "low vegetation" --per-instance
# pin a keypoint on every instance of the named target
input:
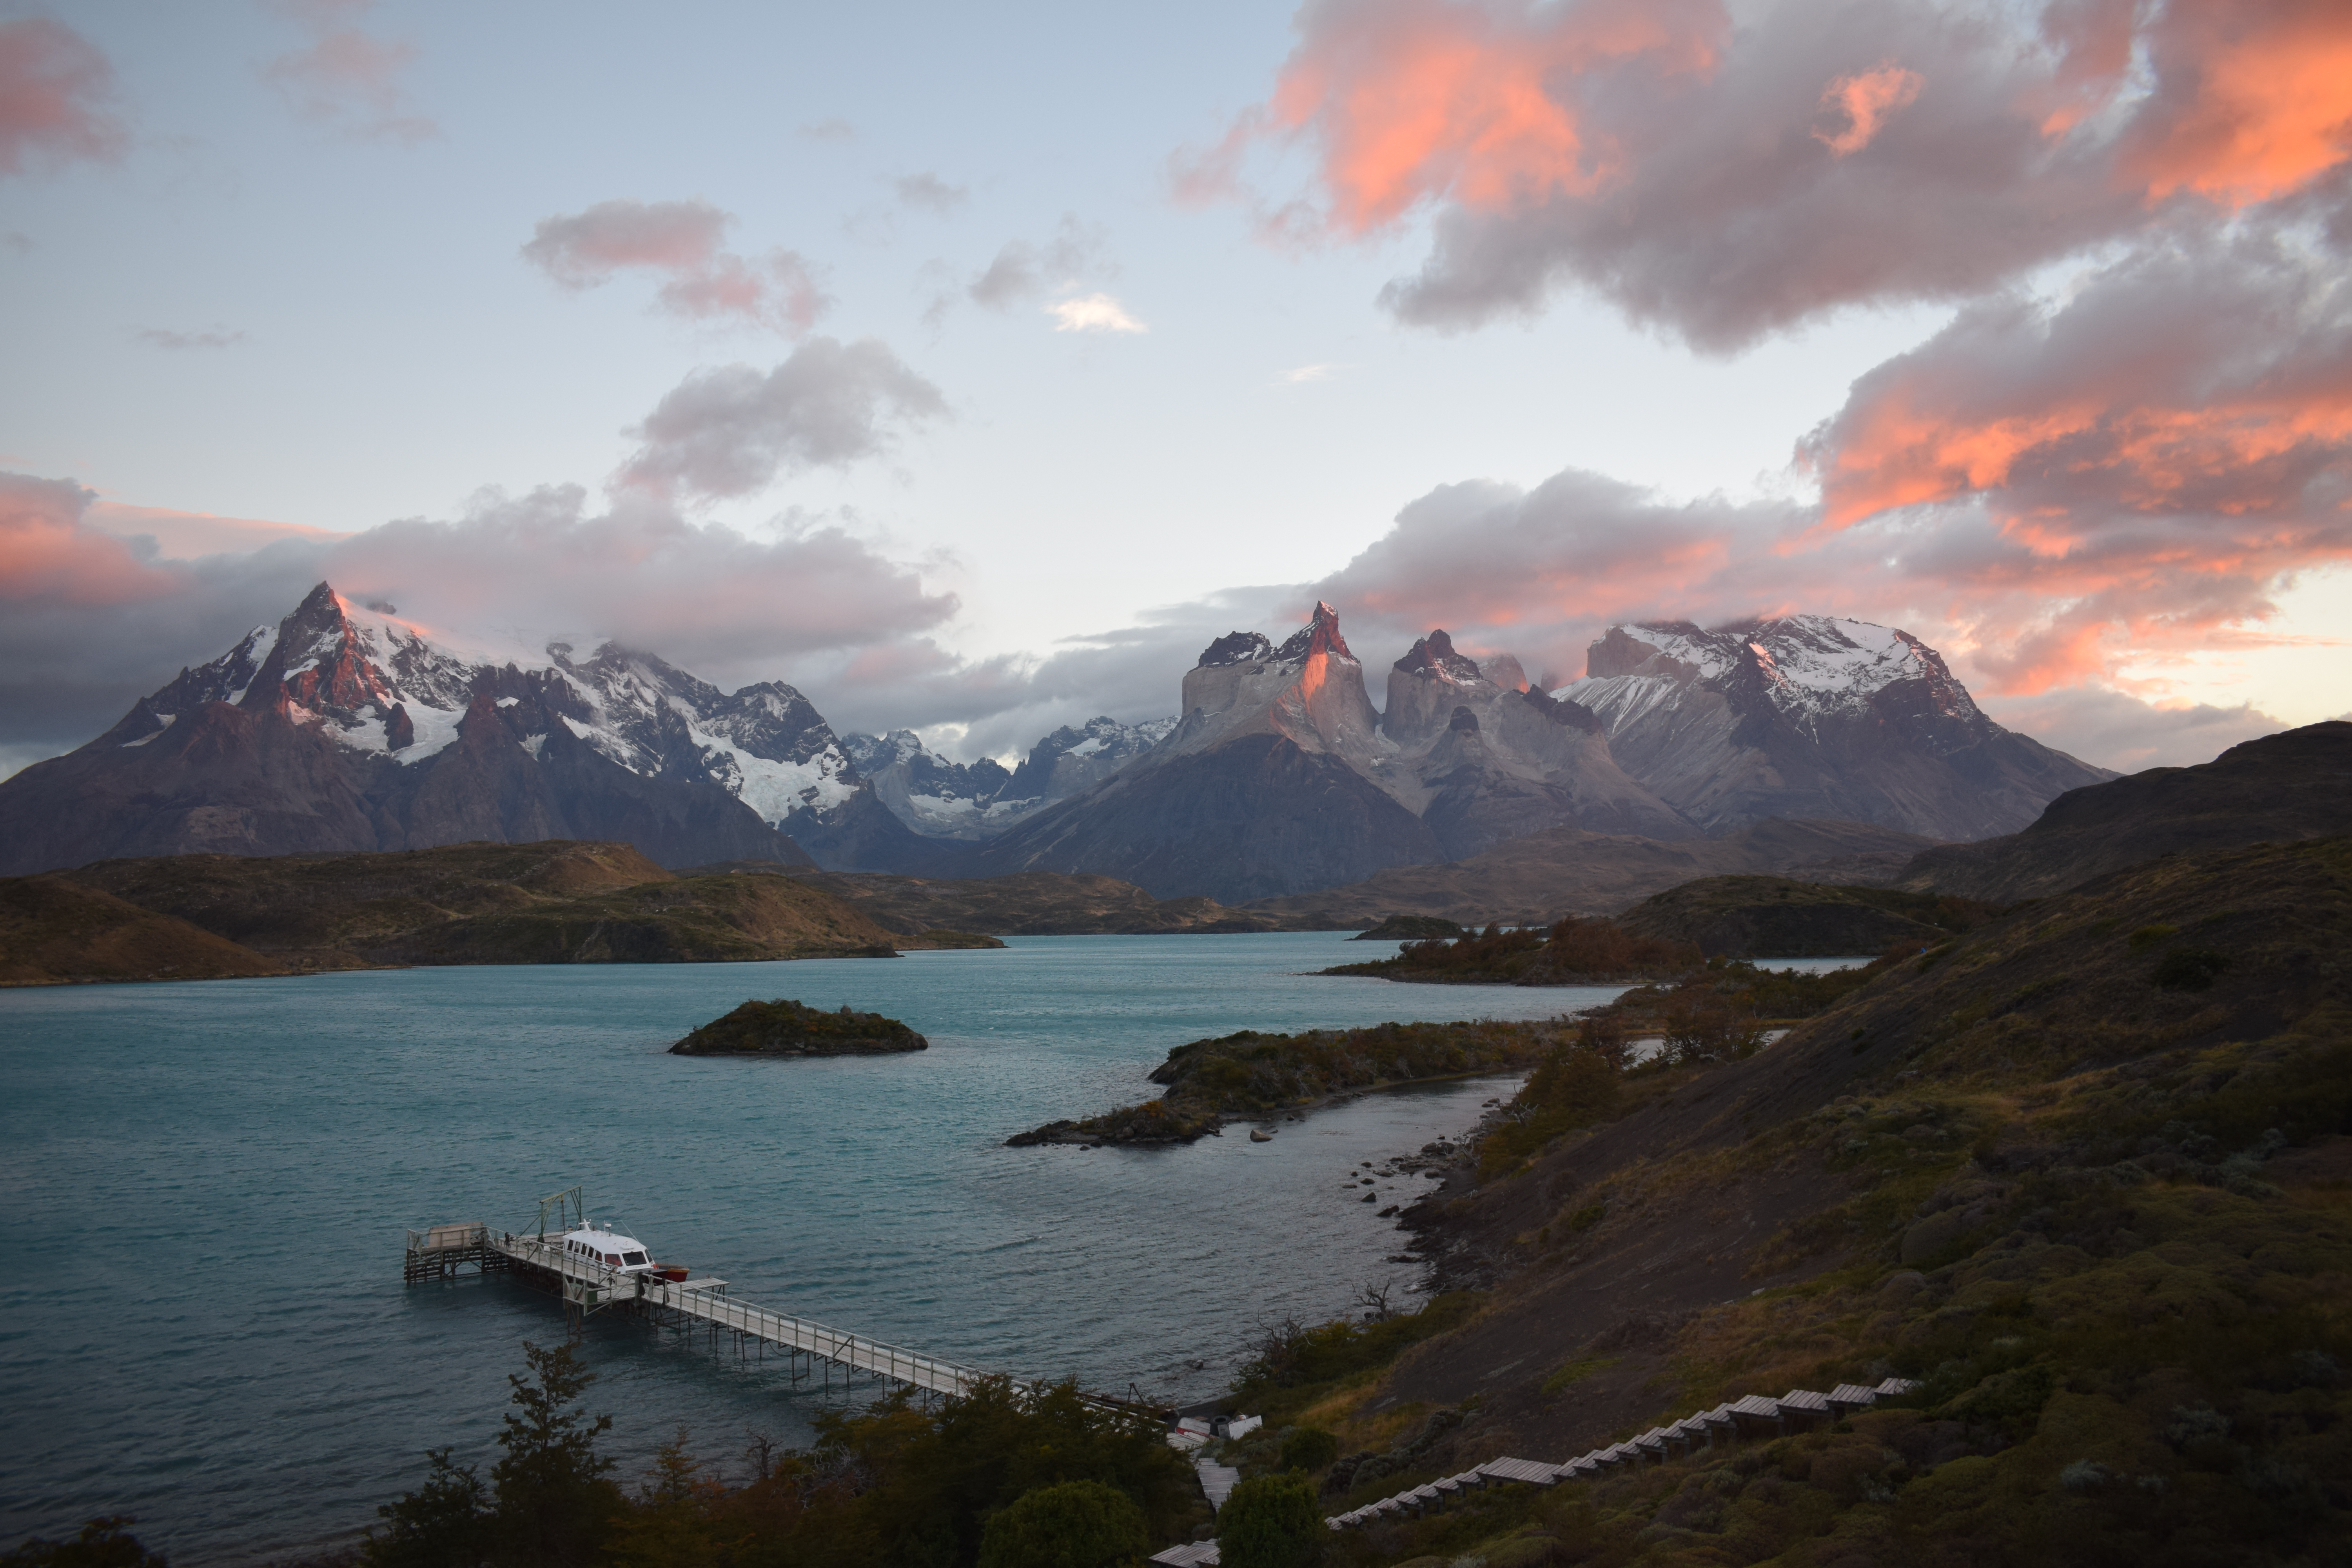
(554, 902)
(1027, 903)
(2094, 1198)
(789, 1028)
(1570, 951)
(1250, 1074)
(1778, 917)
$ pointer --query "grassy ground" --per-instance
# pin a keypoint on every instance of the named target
(2085, 1173)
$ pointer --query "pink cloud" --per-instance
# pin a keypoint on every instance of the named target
(53, 88)
(49, 555)
(681, 239)
(346, 78)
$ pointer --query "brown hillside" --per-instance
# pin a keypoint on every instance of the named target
(1026, 903)
(55, 933)
(555, 902)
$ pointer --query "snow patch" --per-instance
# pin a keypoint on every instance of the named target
(168, 721)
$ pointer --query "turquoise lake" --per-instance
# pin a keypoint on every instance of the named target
(205, 1185)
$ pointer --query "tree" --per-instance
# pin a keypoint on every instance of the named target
(103, 1543)
(554, 1498)
(444, 1523)
(1079, 1524)
(1270, 1521)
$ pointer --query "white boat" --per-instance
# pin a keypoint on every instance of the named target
(621, 1254)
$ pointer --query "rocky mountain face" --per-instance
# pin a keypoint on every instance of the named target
(1812, 716)
(1483, 759)
(970, 802)
(1259, 790)
(1674, 733)
(345, 728)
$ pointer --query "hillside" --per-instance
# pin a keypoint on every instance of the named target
(53, 933)
(2292, 786)
(556, 903)
(1027, 903)
(2083, 1171)
(1778, 917)
(1566, 870)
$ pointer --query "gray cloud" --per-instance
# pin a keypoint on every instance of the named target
(209, 338)
(730, 431)
(1021, 273)
(930, 193)
(680, 240)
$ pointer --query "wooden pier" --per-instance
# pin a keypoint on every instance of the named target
(588, 1286)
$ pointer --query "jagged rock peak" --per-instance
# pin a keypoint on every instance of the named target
(1319, 635)
(1235, 647)
(1433, 659)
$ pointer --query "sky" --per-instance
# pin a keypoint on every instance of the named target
(972, 369)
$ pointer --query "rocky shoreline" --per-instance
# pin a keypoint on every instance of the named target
(1250, 1075)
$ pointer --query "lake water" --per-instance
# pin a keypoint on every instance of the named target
(204, 1186)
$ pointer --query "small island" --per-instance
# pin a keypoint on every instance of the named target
(1573, 951)
(786, 1028)
(1409, 928)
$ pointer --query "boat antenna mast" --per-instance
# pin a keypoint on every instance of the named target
(568, 1207)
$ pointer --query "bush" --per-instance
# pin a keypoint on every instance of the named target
(102, 1543)
(1270, 1521)
(1310, 1448)
(1077, 1524)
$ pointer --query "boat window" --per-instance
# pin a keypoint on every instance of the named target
(634, 1257)
(614, 1259)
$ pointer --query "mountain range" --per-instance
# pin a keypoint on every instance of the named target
(346, 727)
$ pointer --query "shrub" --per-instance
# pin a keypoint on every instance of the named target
(1077, 1524)
(1310, 1448)
(1270, 1521)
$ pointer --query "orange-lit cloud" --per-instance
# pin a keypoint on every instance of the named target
(1473, 104)
(2253, 99)
(1673, 164)
(1865, 102)
(2204, 378)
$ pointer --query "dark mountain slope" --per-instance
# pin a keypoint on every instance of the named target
(1565, 870)
(1254, 817)
(2292, 786)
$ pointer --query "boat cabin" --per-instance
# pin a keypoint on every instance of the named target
(624, 1254)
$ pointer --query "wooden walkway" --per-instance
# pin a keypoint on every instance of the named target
(593, 1286)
